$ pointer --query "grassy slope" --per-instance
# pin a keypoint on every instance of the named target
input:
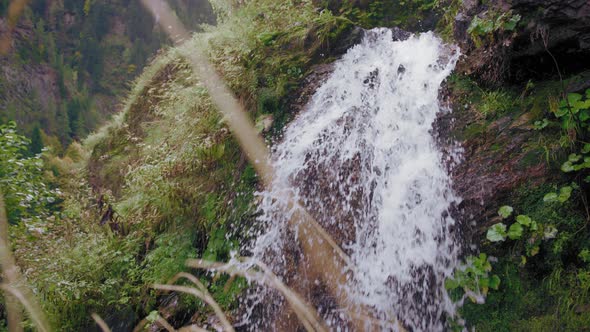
(172, 172)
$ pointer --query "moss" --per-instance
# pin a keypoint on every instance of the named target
(532, 158)
(415, 15)
(472, 131)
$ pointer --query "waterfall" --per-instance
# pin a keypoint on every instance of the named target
(362, 160)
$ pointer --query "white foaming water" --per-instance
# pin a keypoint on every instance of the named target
(363, 161)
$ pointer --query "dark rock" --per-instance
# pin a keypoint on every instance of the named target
(347, 40)
(118, 320)
(551, 34)
(317, 76)
(399, 34)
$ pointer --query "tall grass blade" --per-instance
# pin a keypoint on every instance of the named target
(12, 283)
(101, 323)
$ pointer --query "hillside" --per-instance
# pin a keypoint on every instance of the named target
(71, 61)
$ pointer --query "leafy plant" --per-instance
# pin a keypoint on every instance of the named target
(526, 225)
(505, 211)
(497, 233)
(562, 196)
(574, 110)
(541, 124)
(473, 278)
(491, 22)
(30, 199)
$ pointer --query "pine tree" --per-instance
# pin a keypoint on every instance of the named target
(36, 141)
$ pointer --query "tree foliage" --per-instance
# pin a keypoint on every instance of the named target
(29, 199)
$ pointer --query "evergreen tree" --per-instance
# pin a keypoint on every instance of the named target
(36, 145)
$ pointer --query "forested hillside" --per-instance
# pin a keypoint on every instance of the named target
(71, 61)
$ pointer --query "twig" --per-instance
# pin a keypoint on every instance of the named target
(165, 324)
(101, 323)
(37, 318)
(203, 295)
(14, 313)
(192, 328)
(140, 325)
(310, 319)
(208, 298)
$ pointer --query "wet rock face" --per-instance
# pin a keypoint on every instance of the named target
(497, 158)
(320, 180)
(550, 29)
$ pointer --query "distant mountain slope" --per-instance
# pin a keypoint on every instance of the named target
(71, 60)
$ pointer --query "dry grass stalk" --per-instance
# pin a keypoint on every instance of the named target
(12, 284)
(101, 323)
(192, 328)
(160, 320)
(164, 323)
(305, 312)
(205, 296)
(10, 273)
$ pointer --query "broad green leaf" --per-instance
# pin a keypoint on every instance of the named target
(550, 198)
(484, 283)
(494, 282)
(451, 284)
(505, 211)
(572, 98)
(523, 260)
(588, 93)
(534, 226)
(583, 105)
(515, 231)
(496, 233)
(550, 232)
(567, 123)
(561, 111)
(564, 194)
(584, 116)
(480, 26)
(585, 255)
(567, 167)
(524, 220)
(586, 148)
(574, 158)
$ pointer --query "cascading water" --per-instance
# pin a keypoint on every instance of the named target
(363, 161)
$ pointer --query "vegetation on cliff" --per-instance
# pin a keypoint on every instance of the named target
(71, 60)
